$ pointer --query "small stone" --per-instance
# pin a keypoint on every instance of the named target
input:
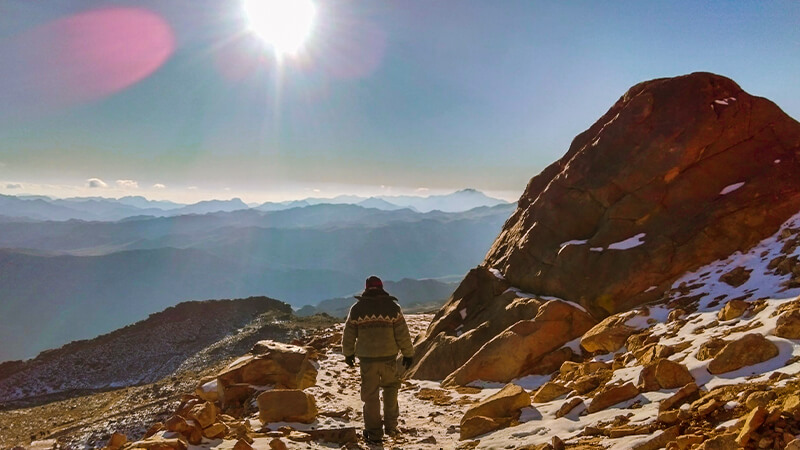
(277, 444)
(241, 444)
(669, 417)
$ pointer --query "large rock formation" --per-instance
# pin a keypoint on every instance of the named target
(678, 173)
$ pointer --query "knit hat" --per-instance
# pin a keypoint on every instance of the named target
(374, 282)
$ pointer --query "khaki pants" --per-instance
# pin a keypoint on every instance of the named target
(375, 375)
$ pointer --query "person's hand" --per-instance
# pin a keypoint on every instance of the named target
(350, 360)
(407, 361)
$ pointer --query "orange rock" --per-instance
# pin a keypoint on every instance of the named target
(611, 396)
(733, 309)
(609, 335)
(272, 363)
(507, 355)
(286, 405)
(116, 441)
(277, 444)
(671, 374)
(215, 431)
(788, 325)
(568, 406)
(751, 424)
(242, 444)
(506, 403)
(478, 425)
(549, 392)
(205, 414)
(748, 350)
(678, 398)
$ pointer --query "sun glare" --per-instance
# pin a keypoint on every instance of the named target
(282, 24)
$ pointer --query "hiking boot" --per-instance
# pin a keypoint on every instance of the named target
(392, 432)
(372, 438)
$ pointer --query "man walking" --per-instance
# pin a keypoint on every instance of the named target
(375, 331)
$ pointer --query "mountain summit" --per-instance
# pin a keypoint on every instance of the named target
(678, 173)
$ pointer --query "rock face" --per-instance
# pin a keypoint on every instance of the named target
(675, 175)
(517, 350)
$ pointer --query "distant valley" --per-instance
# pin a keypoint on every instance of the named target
(77, 279)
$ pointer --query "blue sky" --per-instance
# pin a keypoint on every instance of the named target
(386, 96)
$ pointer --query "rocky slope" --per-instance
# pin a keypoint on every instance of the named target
(188, 336)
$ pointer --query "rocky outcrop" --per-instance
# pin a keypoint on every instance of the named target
(517, 350)
(678, 173)
(481, 308)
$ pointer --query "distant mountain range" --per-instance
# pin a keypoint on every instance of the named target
(109, 209)
(76, 279)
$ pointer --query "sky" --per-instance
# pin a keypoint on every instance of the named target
(182, 100)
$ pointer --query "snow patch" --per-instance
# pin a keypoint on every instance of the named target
(568, 243)
(497, 273)
(463, 313)
(728, 189)
(629, 243)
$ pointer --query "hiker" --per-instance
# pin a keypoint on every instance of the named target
(375, 331)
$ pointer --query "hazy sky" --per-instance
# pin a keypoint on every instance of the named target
(176, 99)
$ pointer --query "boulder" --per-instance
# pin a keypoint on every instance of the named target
(520, 347)
(161, 443)
(673, 177)
(271, 364)
(736, 277)
(788, 325)
(204, 414)
(609, 335)
(750, 349)
(549, 392)
(733, 309)
(506, 403)
(215, 431)
(710, 348)
(235, 394)
(751, 424)
(116, 441)
(611, 396)
(671, 374)
(568, 406)
(681, 396)
(286, 405)
(478, 425)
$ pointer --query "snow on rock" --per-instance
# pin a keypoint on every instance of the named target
(629, 243)
(568, 243)
(730, 188)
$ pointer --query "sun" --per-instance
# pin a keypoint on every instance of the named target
(285, 25)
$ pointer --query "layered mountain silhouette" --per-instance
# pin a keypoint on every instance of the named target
(77, 279)
(109, 209)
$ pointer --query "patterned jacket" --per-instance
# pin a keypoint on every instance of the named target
(375, 329)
